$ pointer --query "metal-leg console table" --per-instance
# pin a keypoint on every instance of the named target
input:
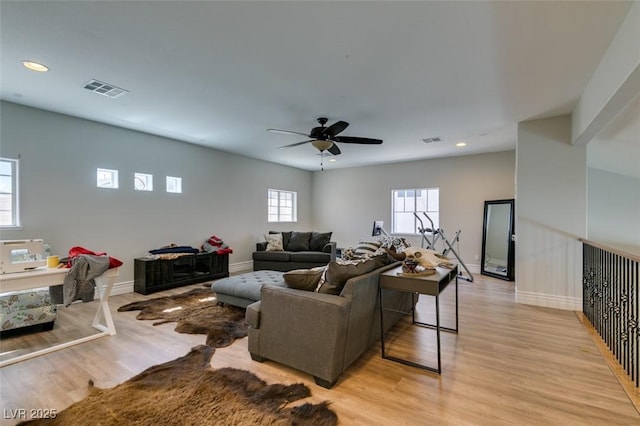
(431, 285)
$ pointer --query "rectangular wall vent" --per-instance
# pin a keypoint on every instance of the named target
(105, 89)
(432, 140)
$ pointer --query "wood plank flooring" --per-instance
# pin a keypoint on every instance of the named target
(510, 364)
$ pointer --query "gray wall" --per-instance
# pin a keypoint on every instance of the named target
(551, 204)
(613, 209)
(347, 201)
(223, 194)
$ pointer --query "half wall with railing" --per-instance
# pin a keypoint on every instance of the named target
(611, 302)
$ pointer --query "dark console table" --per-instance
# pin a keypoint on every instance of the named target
(431, 285)
(152, 275)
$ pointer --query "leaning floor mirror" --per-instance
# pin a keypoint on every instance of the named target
(498, 246)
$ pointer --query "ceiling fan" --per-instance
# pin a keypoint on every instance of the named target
(325, 138)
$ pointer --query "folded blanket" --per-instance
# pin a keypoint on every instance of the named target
(175, 249)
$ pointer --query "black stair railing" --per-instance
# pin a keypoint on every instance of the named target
(611, 302)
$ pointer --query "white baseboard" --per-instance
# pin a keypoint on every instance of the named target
(474, 269)
(122, 288)
(241, 266)
(549, 301)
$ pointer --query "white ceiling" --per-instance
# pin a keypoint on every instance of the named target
(220, 73)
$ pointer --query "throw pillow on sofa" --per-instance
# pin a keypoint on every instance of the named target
(299, 241)
(286, 236)
(304, 279)
(274, 242)
(319, 240)
(367, 248)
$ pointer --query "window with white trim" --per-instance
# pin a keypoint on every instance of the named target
(406, 202)
(174, 184)
(142, 182)
(107, 178)
(9, 211)
(282, 206)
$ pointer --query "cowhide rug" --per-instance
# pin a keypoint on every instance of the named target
(196, 312)
(188, 391)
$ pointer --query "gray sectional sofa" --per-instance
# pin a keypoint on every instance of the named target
(319, 333)
(299, 250)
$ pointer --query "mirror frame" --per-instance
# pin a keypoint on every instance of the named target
(510, 276)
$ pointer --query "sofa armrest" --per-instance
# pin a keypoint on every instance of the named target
(331, 247)
(303, 329)
(261, 246)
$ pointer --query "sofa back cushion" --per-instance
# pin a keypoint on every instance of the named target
(319, 240)
(304, 279)
(337, 274)
(299, 241)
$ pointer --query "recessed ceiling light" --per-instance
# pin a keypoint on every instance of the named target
(35, 66)
(461, 144)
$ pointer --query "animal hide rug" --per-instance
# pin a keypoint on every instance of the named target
(188, 391)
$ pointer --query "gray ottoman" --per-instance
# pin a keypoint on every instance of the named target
(244, 289)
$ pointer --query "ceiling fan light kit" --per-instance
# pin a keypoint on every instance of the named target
(321, 145)
(325, 138)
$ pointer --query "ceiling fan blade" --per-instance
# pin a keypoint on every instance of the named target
(353, 139)
(287, 132)
(335, 128)
(334, 149)
(294, 144)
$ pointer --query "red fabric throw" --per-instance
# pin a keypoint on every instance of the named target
(215, 244)
(76, 251)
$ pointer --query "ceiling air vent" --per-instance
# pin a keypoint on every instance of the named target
(105, 89)
(432, 140)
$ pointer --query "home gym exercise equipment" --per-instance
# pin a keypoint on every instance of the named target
(431, 236)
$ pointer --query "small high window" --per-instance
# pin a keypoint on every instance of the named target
(107, 178)
(174, 184)
(143, 182)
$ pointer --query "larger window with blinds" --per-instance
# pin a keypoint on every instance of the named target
(281, 206)
(406, 202)
(9, 212)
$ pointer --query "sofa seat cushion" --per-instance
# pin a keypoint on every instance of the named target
(274, 256)
(310, 257)
(247, 286)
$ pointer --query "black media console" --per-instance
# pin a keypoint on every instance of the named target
(151, 275)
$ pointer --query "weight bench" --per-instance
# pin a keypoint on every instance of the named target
(244, 289)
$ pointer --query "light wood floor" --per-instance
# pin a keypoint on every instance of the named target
(511, 364)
